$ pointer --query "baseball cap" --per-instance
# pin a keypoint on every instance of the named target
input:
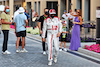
(52, 11)
(65, 11)
(64, 22)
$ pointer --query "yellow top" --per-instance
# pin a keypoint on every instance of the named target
(6, 19)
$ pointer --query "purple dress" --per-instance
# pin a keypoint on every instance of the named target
(75, 37)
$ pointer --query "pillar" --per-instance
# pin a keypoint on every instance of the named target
(83, 8)
(42, 6)
(59, 7)
(73, 6)
(11, 3)
(33, 4)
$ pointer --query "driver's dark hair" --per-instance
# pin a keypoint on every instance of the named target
(46, 8)
(17, 7)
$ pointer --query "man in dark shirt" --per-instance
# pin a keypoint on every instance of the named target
(40, 25)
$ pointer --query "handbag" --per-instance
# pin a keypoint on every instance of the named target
(34, 19)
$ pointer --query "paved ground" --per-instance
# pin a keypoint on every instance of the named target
(34, 58)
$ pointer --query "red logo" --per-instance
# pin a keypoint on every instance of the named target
(54, 27)
(52, 10)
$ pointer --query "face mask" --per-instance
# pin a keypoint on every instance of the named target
(7, 10)
(52, 16)
(46, 12)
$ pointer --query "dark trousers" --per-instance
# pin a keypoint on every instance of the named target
(5, 41)
(70, 25)
(43, 45)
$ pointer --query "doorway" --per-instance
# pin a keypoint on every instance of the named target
(79, 4)
(53, 5)
(62, 7)
(87, 12)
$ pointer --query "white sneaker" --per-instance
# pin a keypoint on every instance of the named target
(55, 59)
(17, 51)
(60, 49)
(6, 52)
(50, 63)
(65, 49)
(44, 53)
(23, 50)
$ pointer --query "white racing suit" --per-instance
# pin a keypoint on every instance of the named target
(53, 26)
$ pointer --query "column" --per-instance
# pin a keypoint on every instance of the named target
(83, 7)
(33, 4)
(93, 11)
(67, 4)
(26, 4)
(59, 7)
(11, 4)
(73, 6)
(42, 6)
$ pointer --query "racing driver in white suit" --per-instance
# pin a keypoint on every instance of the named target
(54, 28)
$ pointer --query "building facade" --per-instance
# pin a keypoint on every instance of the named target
(39, 5)
(88, 7)
(12, 5)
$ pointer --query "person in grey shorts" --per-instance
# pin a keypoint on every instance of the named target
(20, 29)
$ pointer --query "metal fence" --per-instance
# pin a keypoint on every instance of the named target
(88, 31)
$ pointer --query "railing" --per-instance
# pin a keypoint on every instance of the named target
(88, 31)
(89, 27)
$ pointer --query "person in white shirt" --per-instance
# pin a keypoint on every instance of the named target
(16, 12)
(65, 18)
(70, 17)
(33, 13)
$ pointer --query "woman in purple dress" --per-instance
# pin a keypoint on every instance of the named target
(75, 37)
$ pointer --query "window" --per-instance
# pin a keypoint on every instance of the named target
(35, 6)
(39, 8)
